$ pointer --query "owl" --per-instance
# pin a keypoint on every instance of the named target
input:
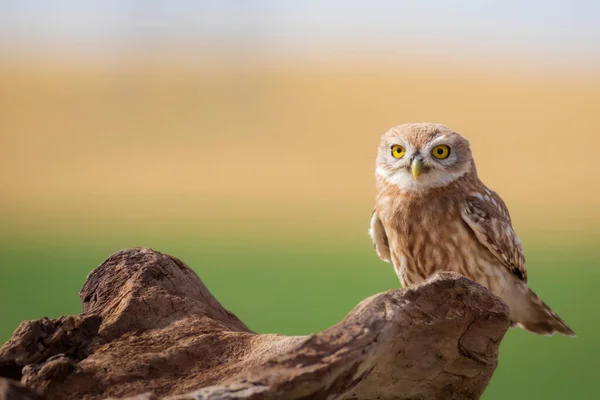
(432, 213)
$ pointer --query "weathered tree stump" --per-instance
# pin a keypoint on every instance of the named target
(150, 329)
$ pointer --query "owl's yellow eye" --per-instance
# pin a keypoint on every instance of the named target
(398, 151)
(440, 152)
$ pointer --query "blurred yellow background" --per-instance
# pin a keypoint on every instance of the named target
(242, 139)
(283, 144)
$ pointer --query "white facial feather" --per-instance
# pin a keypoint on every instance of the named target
(406, 182)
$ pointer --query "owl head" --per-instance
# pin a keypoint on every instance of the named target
(415, 157)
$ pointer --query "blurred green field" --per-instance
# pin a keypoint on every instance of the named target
(298, 286)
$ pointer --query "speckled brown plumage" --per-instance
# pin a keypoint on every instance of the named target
(442, 217)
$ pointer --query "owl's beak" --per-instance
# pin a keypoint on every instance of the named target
(417, 167)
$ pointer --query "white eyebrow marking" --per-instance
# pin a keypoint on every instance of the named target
(437, 140)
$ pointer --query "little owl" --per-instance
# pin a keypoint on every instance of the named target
(432, 213)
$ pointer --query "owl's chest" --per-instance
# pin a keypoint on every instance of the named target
(421, 230)
(429, 236)
(425, 219)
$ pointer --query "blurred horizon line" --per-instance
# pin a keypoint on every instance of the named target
(209, 58)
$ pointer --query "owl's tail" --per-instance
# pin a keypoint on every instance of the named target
(532, 314)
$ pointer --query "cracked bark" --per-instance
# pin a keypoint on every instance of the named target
(151, 329)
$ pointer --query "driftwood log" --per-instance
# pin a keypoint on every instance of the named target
(150, 329)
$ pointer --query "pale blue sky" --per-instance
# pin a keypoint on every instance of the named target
(539, 29)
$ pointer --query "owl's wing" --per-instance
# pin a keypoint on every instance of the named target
(487, 215)
(380, 239)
